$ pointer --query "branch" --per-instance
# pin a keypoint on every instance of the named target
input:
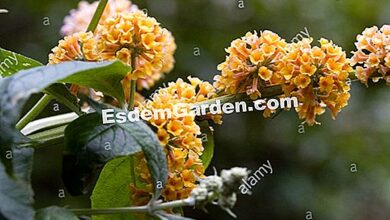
(145, 209)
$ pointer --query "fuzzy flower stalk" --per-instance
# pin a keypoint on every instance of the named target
(220, 190)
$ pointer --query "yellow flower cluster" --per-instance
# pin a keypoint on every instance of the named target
(133, 38)
(78, 19)
(139, 41)
(78, 46)
(317, 76)
(168, 61)
(250, 64)
(179, 136)
(372, 58)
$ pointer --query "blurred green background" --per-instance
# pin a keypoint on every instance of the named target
(311, 169)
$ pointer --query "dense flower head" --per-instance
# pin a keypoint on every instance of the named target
(250, 64)
(372, 58)
(139, 41)
(179, 136)
(317, 76)
(79, 18)
(134, 38)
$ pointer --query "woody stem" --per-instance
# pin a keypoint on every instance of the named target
(140, 209)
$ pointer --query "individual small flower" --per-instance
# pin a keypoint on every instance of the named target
(372, 58)
(78, 19)
(250, 64)
(317, 76)
(178, 135)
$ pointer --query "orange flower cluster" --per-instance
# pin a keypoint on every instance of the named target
(372, 58)
(78, 19)
(168, 61)
(179, 136)
(79, 46)
(134, 38)
(317, 76)
(250, 64)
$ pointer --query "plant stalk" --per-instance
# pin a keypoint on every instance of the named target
(98, 14)
(132, 94)
(34, 112)
(143, 209)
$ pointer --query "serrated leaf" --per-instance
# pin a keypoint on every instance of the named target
(55, 213)
(16, 89)
(112, 188)
(11, 62)
(16, 195)
(207, 142)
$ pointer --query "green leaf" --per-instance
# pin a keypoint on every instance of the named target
(11, 63)
(112, 188)
(154, 155)
(16, 195)
(16, 89)
(62, 94)
(90, 144)
(208, 143)
(55, 213)
(107, 80)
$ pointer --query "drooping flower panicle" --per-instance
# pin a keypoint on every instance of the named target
(179, 135)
